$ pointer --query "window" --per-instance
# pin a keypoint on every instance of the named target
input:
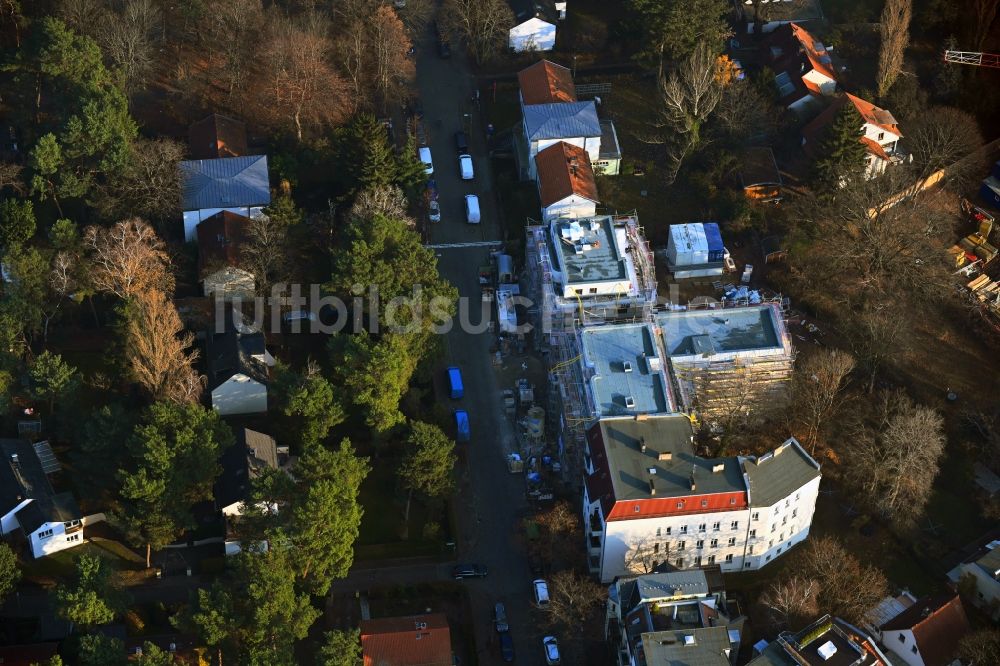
(680, 505)
(784, 520)
(735, 525)
(659, 531)
(755, 516)
(656, 563)
(715, 543)
(656, 547)
(768, 558)
(796, 497)
(774, 528)
(753, 533)
(747, 565)
(680, 545)
(732, 541)
(750, 550)
(786, 503)
(779, 550)
(770, 544)
(704, 503)
(45, 534)
(913, 649)
(711, 559)
(729, 559)
(701, 528)
(699, 544)
(716, 526)
(795, 512)
(684, 529)
(697, 561)
(901, 637)
(881, 135)
(668, 531)
(680, 562)
(732, 500)
(593, 290)
(579, 292)
(781, 537)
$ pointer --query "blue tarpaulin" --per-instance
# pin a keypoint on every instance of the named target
(716, 251)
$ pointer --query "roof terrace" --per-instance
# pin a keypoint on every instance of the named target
(725, 333)
(624, 371)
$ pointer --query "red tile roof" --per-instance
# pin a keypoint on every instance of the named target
(938, 624)
(220, 238)
(874, 115)
(817, 55)
(564, 170)
(417, 640)
(546, 83)
(870, 113)
(217, 136)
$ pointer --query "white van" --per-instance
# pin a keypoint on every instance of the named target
(465, 166)
(541, 589)
(425, 157)
(472, 209)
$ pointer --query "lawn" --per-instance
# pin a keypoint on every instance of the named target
(381, 525)
(61, 565)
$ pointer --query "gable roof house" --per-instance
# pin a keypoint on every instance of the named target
(566, 185)
(772, 16)
(217, 136)
(881, 134)
(534, 24)
(49, 522)
(803, 69)
(238, 363)
(551, 113)
(236, 184)
(415, 640)
(983, 569)
(927, 633)
(220, 240)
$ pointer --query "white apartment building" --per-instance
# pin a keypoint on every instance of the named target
(649, 500)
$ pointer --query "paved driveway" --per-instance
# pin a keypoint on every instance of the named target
(489, 497)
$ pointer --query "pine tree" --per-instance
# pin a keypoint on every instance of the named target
(841, 152)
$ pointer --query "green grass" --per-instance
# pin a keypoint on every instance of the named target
(62, 565)
(381, 524)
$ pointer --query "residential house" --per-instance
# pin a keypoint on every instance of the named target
(609, 157)
(802, 65)
(886, 610)
(978, 577)
(641, 609)
(649, 499)
(927, 633)
(238, 363)
(534, 24)
(551, 113)
(236, 184)
(415, 640)
(880, 133)
(48, 521)
(828, 641)
(566, 185)
(221, 238)
(766, 17)
(217, 136)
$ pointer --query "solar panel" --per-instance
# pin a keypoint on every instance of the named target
(48, 459)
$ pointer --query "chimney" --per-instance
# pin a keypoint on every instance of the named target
(694, 486)
(664, 455)
(642, 444)
(718, 468)
(652, 488)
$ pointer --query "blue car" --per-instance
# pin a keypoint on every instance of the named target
(506, 646)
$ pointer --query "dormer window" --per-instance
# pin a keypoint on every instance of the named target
(881, 136)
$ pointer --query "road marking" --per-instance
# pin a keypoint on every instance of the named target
(448, 246)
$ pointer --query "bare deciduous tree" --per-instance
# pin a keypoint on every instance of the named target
(572, 599)
(894, 458)
(688, 96)
(643, 555)
(157, 349)
(233, 38)
(129, 38)
(848, 588)
(984, 13)
(386, 200)
(791, 602)
(559, 535)
(265, 252)
(305, 86)
(816, 391)
(150, 184)
(483, 24)
(10, 176)
(894, 29)
(416, 15)
(128, 258)
(940, 138)
(83, 16)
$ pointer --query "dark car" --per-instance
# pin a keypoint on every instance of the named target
(506, 646)
(500, 617)
(461, 143)
(460, 571)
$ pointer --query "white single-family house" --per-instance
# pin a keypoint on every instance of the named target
(880, 135)
(566, 185)
(221, 238)
(236, 184)
(238, 364)
(928, 632)
(534, 24)
(48, 521)
(803, 69)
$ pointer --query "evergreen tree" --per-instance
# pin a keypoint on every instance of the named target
(17, 222)
(840, 153)
(101, 650)
(50, 377)
(427, 467)
(310, 399)
(340, 648)
(411, 172)
(91, 598)
(10, 574)
(98, 453)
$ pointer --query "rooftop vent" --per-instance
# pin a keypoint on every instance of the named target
(718, 468)
(827, 650)
(626, 366)
(664, 455)
(629, 401)
(652, 488)
(653, 363)
(421, 625)
(689, 639)
(642, 444)
(694, 486)
(652, 471)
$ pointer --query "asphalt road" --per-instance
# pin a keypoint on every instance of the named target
(490, 498)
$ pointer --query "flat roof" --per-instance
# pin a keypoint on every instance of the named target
(593, 258)
(629, 465)
(721, 331)
(606, 350)
(689, 647)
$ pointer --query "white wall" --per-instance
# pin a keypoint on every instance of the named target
(9, 521)
(572, 207)
(986, 586)
(240, 395)
(827, 86)
(591, 144)
(782, 525)
(902, 648)
(532, 35)
(58, 540)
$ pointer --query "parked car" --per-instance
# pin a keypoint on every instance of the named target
(506, 646)
(302, 317)
(461, 143)
(500, 617)
(434, 211)
(541, 589)
(462, 431)
(472, 215)
(425, 157)
(460, 571)
(465, 167)
(551, 646)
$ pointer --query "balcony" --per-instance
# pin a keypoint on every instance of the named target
(595, 524)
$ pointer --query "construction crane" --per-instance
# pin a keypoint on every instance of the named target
(973, 58)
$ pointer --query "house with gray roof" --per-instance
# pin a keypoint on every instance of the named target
(239, 185)
(651, 500)
(238, 366)
(31, 512)
(575, 123)
(978, 578)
